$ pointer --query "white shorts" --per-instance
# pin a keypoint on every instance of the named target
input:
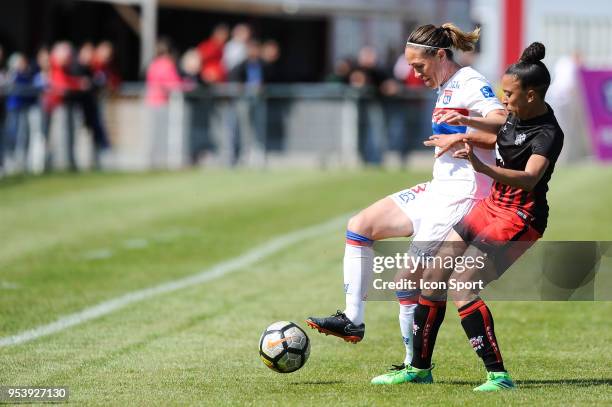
(433, 214)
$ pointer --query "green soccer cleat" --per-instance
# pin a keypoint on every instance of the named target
(496, 381)
(404, 374)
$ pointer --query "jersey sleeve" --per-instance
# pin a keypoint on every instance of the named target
(479, 97)
(546, 144)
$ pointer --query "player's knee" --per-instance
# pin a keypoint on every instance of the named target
(359, 224)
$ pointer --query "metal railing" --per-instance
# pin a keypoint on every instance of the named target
(229, 125)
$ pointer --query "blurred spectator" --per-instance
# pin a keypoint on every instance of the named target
(368, 76)
(41, 68)
(19, 99)
(191, 66)
(404, 127)
(162, 78)
(200, 106)
(270, 55)
(404, 73)
(40, 82)
(162, 75)
(211, 51)
(342, 70)
(276, 108)
(252, 114)
(235, 51)
(102, 64)
(87, 99)
(564, 97)
(250, 71)
(62, 87)
(367, 73)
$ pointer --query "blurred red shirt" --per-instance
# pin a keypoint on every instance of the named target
(211, 51)
(60, 82)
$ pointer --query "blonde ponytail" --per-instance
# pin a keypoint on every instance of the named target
(447, 36)
(464, 41)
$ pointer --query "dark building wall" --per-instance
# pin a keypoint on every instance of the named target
(27, 25)
(303, 41)
(13, 25)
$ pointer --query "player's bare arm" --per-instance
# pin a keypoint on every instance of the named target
(526, 180)
(490, 123)
(446, 141)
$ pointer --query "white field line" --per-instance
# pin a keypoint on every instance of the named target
(252, 256)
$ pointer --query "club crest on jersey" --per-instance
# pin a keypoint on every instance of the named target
(520, 139)
(487, 92)
(448, 94)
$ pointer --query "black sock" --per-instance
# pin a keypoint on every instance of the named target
(477, 323)
(428, 316)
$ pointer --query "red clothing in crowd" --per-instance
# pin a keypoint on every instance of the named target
(60, 82)
(211, 51)
(412, 81)
(110, 75)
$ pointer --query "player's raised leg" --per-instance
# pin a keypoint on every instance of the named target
(382, 220)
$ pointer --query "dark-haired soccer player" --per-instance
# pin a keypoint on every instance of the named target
(466, 108)
(528, 146)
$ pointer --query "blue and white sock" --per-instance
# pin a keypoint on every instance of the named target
(358, 263)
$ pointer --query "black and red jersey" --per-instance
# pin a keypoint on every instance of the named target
(517, 140)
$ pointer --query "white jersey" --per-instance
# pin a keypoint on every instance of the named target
(468, 93)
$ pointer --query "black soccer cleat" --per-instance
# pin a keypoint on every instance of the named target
(338, 325)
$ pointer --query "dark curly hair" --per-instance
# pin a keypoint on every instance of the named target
(530, 70)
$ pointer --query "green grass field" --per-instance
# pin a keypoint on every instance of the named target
(70, 242)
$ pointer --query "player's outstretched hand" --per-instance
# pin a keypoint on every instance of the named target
(467, 153)
(450, 117)
(445, 142)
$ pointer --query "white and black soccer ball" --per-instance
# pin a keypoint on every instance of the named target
(284, 347)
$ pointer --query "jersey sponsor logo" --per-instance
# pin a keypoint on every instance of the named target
(419, 188)
(407, 196)
(520, 139)
(487, 92)
(448, 94)
(410, 195)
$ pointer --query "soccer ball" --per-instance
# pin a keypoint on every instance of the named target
(284, 347)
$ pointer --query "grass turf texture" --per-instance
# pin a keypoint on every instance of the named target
(73, 241)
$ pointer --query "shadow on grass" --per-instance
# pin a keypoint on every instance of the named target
(542, 382)
(323, 382)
